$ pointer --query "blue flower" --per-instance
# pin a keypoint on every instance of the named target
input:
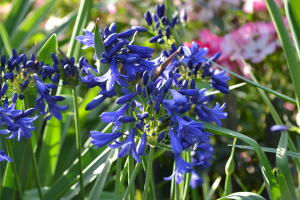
(128, 146)
(209, 115)
(144, 52)
(194, 54)
(112, 76)
(4, 157)
(279, 128)
(43, 90)
(181, 168)
(196, 179)
(108, 117)
(102, 139)
(218, 81)
(142, 145)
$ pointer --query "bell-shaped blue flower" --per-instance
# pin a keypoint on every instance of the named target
(209, 115)
(194, 54)
(102, 139)
(142, 145)
(112, 76)
(128, 146)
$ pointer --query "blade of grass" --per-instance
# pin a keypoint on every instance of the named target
(98, 186)
(287, 46)
(5, 39)
(268, 174)
(270, 150)
(293, 17)
(282, 164)
(244, 196)
(30, 24)
(213, 188)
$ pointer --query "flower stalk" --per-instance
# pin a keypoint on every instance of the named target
(14, 169)
(78, 141)
(149, 173)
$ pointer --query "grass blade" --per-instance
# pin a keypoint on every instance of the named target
(293, 17)
(230, 88)
(30, 25)
(268, 174)
(98, 186)
(287, 46)
(213, 188)
(5, 39)
(244, 196)
(282, 164)
(269, 150)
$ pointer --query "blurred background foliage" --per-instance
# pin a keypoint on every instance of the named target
(247, 112)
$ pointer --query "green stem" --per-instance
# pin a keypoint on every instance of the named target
(33, 160)
(188, 178)
(130, 175)
(227, 189)
(35, 170)
(118, 175)
(78, 141)
(149, 174)
(131, 182)
(177, 191)
(14, 169)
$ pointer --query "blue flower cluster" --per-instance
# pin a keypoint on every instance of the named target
(154, 107)
(24, 76)
(160, 24)
(203, 153)
(16, 123)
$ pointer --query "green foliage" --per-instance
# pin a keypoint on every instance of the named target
(49, 47)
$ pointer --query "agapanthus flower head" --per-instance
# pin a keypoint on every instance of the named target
(44, 95)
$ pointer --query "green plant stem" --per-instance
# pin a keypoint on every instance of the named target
(188, 178)
(118, 175)
(149, 174)
(35, 169)
(177, 191)
(33, 160)
(227, 189)
(131, 182)
(78, 141)
(14, 169)
(130, 175)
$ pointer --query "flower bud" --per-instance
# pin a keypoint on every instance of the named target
(138, 88)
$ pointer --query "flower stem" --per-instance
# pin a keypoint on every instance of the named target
(14, 169)
(177, 191)
(149, 174)
(78, 141)
(130, 175)
(35, 170)
(118, 175)
(33, 159)
(188, 178)
(132, 178)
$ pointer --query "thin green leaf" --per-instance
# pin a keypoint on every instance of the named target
(49, 47)
(99, 48)
(5, 39)
(270, 150)
(81, 20)
(268, 174)
(230, 88)
(244, 196)
(281, 155)
(287, 46)
(213, 188)
(293, 17)
(98, 186)
(289, 99)
(20, 9)
(30, 24)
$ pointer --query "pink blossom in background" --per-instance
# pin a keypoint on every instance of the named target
(258, 5)
(111, 8)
